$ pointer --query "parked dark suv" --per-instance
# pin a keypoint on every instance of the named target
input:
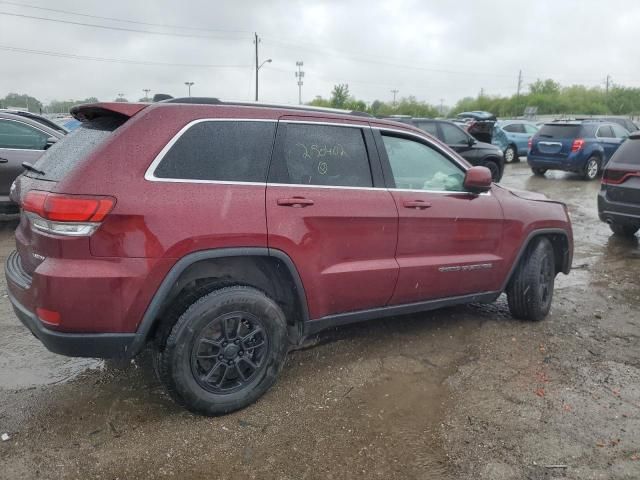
(221, 234)
(619, 197)
(582, 147)
(472, 150)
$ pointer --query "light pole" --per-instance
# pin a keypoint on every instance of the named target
(189, 85)
(258, 67)
(299, 76)
(146, 93)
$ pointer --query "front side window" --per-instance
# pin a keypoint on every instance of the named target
(453, 135)
(416, 166)
(308, 154)
(220, 151)
(619, 132)
(19, 136)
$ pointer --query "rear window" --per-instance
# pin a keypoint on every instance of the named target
(220, 151)
(72, 149)
(559, 131)
(628, 153)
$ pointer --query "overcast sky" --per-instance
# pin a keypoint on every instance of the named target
(432, 49)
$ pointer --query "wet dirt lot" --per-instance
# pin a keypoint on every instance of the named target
(461, 393)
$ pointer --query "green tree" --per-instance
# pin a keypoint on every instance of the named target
(340, 95)
(21, 100)
(64, 106)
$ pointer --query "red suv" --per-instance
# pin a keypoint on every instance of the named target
(221, 234)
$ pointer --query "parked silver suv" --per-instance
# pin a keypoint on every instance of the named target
(23, 138)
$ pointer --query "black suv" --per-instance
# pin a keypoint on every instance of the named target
(619, 197)
(472, 150)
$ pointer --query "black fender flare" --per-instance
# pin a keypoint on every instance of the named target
(155, 306)
(567, 257)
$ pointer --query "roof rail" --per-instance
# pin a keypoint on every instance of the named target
(309, 108)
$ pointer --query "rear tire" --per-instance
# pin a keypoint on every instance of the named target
(224, 351)
(539, 172)
(592, 168)
(511, 155)
(623, 230)
(530, 291)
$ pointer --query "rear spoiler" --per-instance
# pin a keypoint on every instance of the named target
(90, 111)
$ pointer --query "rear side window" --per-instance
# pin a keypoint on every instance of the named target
(605, 132)
(429, 127)
(514, 128)
(220, 150)
(308, 154)
(628, 153)
(559, 131)
(19, 136)
(73, 148)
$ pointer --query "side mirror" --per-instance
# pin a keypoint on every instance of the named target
(478, 179)
(50, 141)
(472, 141)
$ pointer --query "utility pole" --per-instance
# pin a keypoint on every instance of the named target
(256, 40)
(442, 106)
(146, 93)
(189, 85)
(608, 83)
(395, 92)
(299, 76)
(518, 94)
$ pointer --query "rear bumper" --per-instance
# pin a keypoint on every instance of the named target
(98, 345)
(94, 307)
(617, 212)
(572, 163)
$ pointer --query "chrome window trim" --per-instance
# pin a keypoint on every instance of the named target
(330, 124)
(150, 173)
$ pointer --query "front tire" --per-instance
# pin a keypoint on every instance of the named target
(592, 168)
(224, 351)
(494, 168)
(511, 155)
(530, 291)
(623, 230)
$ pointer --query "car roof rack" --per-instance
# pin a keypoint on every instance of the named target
(306, 108)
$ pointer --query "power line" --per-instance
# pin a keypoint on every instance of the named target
(121, 29)
(115, 60)
(113, 19)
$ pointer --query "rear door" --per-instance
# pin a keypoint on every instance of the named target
(19, 143)
(607, 138)
(518, 135)
(449, 240)
(328, 209)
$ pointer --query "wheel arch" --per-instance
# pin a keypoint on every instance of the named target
(269, 270)
(559, 239)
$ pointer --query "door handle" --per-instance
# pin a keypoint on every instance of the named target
(298, 202)
(417, 204)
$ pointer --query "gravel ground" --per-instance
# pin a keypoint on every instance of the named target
(461, 393)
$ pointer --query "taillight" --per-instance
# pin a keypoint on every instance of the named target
(616, 177)
(577, 145)
(530, 144)
(73, 215)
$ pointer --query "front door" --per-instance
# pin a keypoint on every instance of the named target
(331, 213)
(449, 240)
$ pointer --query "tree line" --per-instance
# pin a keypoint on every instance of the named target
(548, 96)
